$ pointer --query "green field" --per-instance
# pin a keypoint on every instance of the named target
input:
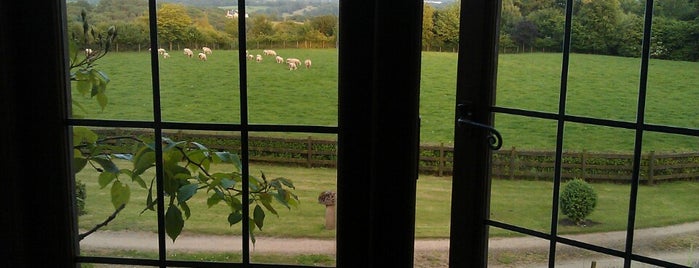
(659, 205)
(599, 86)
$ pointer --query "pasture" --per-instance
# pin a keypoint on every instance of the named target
(599, 86)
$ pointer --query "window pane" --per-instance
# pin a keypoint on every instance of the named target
(113, 80)
(568, 256)
(101, 183)
(529, 81)
(520, 251)
(522, 173)
(673, 93)
(305, 230)
(666, 216)
(437, 97)
(605, 169)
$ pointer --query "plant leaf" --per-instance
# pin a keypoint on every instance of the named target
(121, 193)
(186, 192)
(259, 216)
(173, 222)
(105, 178)
(105, 163)
(235, 217)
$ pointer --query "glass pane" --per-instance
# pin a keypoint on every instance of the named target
(569, 257)
(109, 79)
(292, 64)
(305, 165)
(101, 159)
(520, 251)
(437, 97)
(603, 78)
(522, 173)
(666, 217)
(199, 64)
(529, 81)
(673, 86)
(595, 187)
(207, 195)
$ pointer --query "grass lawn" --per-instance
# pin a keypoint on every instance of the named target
(599, 86)
(525, 203)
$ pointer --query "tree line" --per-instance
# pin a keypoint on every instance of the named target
(607, 27)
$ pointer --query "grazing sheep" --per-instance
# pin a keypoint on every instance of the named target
(292, 66)
(258, 58)
(250, 56)
(307, 62)
(161, 51)
(188, 52)
(202, 56)
(294, 60)
(279, 59)
(206, 50)
(166, 55)
(269, 52)
(88, 52)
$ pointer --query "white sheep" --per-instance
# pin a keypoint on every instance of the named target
(166, 55)
(206, 50)
(202, 56)
(269, 52)
(250, 56)
(307, 62)
(292, 66)
(161, 51)
(279, 59)
(188, 52)
(88, 52)
(258, 58)
(294, 60)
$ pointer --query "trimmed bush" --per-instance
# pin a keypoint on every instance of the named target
(80, 195)
(578, 200)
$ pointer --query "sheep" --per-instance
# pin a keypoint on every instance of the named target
(258, 58)
(161, 51)
(307, 62)
(294, 60)
(202, 56)
(250, 56)
(88, 52)
(292, 66)
(206, 50)
(279, 59)
(269, 52)
(166, 55)
(188, 52)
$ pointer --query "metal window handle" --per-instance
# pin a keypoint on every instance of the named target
(493, 138)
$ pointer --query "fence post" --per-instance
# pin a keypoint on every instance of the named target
(583, 159)
(651, 167)
(309, 155)
(440, 165)
(513, 155)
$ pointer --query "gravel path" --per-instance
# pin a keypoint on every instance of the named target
(423, 247)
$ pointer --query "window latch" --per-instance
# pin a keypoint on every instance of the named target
(465, 113)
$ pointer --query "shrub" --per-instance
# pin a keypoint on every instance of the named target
(578, 200)
(80, 195)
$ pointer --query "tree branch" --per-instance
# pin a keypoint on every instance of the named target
(104, 223)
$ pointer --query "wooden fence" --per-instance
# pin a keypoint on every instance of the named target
(510, 163)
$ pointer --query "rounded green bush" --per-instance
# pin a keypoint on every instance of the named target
(578, 200)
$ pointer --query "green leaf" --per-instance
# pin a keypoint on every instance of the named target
(79, 161)
(173, 222)
(106, 163)
(105, 178)
(286, 182)
(186, 192)
(266, 202)
(187, 211)
(121, 194)
(214, 199)
(251, 231)
(259, 216)
(143, 160)
(83, 86)
(235, 217)
(227, 183)
(150, 203)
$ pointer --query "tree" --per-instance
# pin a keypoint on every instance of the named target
(428, 26)
(525, 33)
(595, 26)
(324, 24)
(173, 23)
(550, 24)
(509, 16)
(446, 24)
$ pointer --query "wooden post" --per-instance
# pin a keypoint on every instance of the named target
(309, 155)
(513, 155)
(330, 217)
(593, 265)
(583, 158)
(440, 165)
(651, 167)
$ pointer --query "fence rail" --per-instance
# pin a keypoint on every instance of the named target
(510, 164)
